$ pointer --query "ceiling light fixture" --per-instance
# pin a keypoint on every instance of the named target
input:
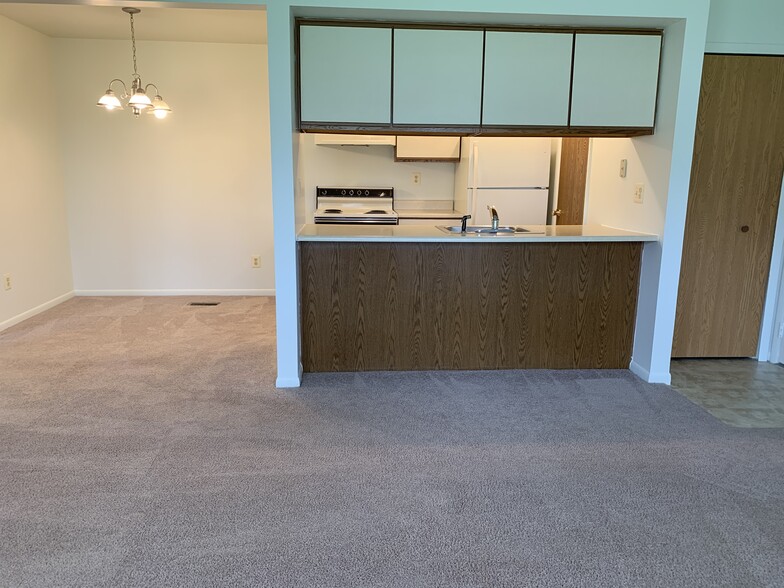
(137, 100)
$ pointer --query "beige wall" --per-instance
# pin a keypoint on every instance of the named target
(33, 229)
(172, 206)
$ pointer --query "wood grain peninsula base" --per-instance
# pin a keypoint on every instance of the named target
(449, 306)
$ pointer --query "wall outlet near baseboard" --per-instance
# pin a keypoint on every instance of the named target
(255, 261)
(416, 178)
(7, 284)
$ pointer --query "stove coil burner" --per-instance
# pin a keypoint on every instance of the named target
(376, 212)
(333, 210)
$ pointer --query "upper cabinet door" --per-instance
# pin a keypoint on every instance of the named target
(345, 74)
(527, 78)
(615, 80)
(438, 77)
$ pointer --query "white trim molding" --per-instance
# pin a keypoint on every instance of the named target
(284, 382)
(183, 292)
(34, 311)
(650, 377)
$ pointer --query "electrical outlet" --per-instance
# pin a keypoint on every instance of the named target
(7, 281)
(255, 261)
(622, 171)
(416, 178)
(639, 191)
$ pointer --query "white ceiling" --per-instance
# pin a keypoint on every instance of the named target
(152, 24)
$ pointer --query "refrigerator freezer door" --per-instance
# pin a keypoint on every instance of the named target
(511, 162)
(515, 207)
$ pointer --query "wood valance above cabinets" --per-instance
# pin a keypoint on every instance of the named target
(404, 78)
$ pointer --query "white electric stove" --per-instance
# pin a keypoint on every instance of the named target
(353, 206)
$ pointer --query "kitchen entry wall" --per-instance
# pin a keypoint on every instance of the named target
(610, 199)
(343, 165)
(34, 237)
(177, 206)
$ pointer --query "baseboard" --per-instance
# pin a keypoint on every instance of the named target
(34, 311)
(202, 292)
(650, 377)
(288, 381)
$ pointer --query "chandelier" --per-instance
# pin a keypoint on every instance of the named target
(137, 99)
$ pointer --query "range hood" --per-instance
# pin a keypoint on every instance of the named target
(367, 140)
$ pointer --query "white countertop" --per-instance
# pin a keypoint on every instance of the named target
(436, 214)
(402, 234)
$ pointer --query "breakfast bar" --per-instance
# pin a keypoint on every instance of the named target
(419, 298)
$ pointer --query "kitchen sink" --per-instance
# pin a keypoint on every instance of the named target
(485, 230)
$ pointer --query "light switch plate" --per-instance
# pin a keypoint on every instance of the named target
(622, 171)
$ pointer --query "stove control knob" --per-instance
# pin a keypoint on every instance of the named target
(351, 192)
(342, 192)
(323, 192)
(367, 192)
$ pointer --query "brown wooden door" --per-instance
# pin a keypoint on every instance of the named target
(571, 181)
(733, 201)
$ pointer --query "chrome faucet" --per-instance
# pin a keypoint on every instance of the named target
(494, 215)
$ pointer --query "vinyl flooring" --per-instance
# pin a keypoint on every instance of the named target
(739, 392)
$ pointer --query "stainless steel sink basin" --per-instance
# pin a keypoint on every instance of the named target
(483, 230)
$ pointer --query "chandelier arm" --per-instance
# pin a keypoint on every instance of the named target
(125, 88)
(157, 91)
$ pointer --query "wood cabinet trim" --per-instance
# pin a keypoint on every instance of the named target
(486, 131)
(571, 81)
(478, 27)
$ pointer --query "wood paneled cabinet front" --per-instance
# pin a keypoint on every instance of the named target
(424, 306)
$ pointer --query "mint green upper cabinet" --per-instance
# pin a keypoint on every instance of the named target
(527, 77)
(615, 80)
(345, 74)
(438, 77)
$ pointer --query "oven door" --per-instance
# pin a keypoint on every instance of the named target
(334, 219)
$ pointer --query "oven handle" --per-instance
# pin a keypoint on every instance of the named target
(354, 222)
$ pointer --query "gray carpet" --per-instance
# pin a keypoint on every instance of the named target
(142, 443)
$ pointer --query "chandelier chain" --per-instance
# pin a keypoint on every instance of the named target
(133, 45)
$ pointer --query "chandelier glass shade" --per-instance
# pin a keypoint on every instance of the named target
(137, 98)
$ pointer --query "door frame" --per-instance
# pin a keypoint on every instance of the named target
(555, 179)
(768, 348)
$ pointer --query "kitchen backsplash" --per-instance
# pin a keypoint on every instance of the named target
(333, 165)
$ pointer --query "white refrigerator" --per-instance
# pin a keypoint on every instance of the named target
(510, 173)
